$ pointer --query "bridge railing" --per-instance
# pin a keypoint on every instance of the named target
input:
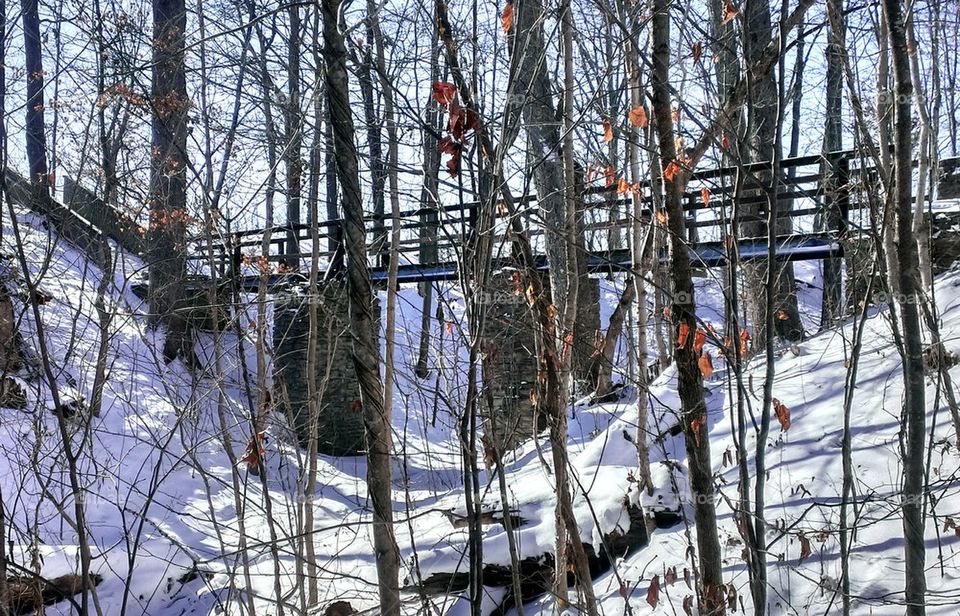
(817, 195)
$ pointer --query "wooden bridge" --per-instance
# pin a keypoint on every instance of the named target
(431, 238)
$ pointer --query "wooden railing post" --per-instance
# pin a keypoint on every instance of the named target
(842, 188)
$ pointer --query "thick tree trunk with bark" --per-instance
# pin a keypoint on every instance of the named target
(168, 178)
(533, 87)
(35, 132)
(761, 139)
(683, 313)
(294, 139)
(366, 355)
(914, 413)
(830, 218)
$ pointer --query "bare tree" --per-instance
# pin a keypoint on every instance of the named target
(35, 133)
(366, 356)
(168, 178)
(908, 277)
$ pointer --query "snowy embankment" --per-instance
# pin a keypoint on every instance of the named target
(163, 501)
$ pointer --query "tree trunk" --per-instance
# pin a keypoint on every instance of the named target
(429, 200)
(921, 217)
(294, 134)
(761, 138)
(35, 132)
(830, 218)
(689, 379)
(168, 178)
(366, 356)
(378, 177)
(914, 413)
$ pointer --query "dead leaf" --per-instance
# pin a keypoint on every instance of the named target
(695, 426)
(671, 171)
(444, 92)
(705, 363)
(783, 316)
(804, 547)
(729, 12)
(623, 187)
(688, 605)
(670, 576)
(699, 339)
(653, 593)
(638, 117)
(531, 296)
(507, 19)
(609, 176)
(683, 334)
(782, 413)
(697, 51)
(662, 217)
(705, 196)
(725, 143)
(607, 131)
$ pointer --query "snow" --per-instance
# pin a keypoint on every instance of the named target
(161, 500)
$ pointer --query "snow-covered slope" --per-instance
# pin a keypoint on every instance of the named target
(163, 500)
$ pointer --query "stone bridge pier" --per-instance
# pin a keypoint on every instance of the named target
(339, 420)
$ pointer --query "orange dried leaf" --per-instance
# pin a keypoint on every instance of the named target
(671, 171)
(729, 12)
(638, 117)
(699, 339)
(683, 334)
(622, 187)
(531, 295)
(697, 51)
(705, 196)
(662, 217)
(782, 413)
(725, 143)
(705, 363)
(507, 19)
(695, 426)
(609, 177)
(783, 316)
(607, 131)
(449, 327)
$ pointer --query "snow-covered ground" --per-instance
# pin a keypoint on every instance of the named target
(161, 497)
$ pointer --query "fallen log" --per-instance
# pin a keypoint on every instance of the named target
(536, 572)
(27, 594)
(487, 517)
